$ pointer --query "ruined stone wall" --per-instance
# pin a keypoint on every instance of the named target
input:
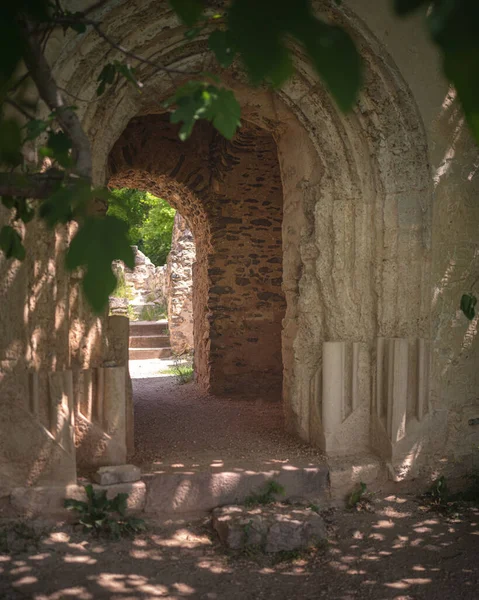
(179, 286)
(238, 189)
(145, 287)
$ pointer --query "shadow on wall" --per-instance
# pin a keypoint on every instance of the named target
(455, 272)
(48, 340)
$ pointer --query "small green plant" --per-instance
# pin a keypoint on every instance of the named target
(152, 313)
(357, 496)
(99, 515)
(266, 495)
(438, 493)
(182, 368)
(440, 498)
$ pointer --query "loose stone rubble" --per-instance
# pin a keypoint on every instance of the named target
(273, 528)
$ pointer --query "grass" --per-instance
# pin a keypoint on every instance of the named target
(182, 368)
(152, 313)
(266, 495)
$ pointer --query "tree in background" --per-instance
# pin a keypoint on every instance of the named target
(156, 231)
(150, 220)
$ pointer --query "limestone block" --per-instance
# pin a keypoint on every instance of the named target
(346, 472)
(45, 500)
(342, 397)
(119, 306)
(190, 491)
(114, 407)
(401, 414)
(117, 474)
(275, 527)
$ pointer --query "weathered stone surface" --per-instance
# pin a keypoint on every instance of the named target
(45, 500)
(119, 306)
(145, 284)
(274, 527)
(179, 286)
(117, 474)
(204, 490)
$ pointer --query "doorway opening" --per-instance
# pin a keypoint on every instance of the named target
(230, 196)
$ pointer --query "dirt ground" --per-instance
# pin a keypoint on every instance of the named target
(180, 424)
(400, 551)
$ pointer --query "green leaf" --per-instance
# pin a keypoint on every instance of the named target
(226, 113)
(101, 501)
(98, 242)
(468, 303)
(119, 502)
(90, 493)
(128, 73)
(11, 243)
(189, 11)
(78, 505)
(66, 203)
(76, 25)
(106, 77)
(453, 26)
(36, 127)
(221, 43)
(24, 211)
(58, 148)
(8, 201)
(198, 100)
(403, 7)
(261, 32)
(10, 142)
(335, 58)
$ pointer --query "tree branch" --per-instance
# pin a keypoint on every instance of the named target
(37, 185)
(67, 118)
(20, 109)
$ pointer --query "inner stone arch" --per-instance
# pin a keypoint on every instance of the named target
(231, 195)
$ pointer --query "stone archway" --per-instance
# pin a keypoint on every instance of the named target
(355, 234)
(230, 193)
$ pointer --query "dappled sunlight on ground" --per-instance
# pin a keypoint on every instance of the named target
(399, 550)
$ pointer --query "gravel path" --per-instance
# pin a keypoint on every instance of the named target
(179, 424)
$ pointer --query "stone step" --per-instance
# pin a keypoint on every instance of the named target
(190, 490)
(138, 328)
(149, 341)
(145, 353)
